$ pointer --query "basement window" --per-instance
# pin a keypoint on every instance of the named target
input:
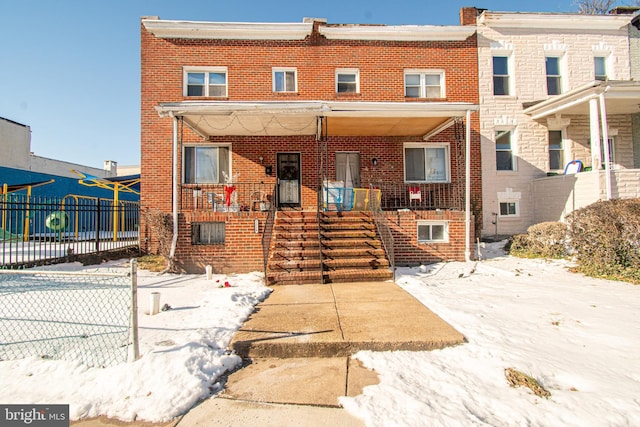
(433, 231)
(208, 233)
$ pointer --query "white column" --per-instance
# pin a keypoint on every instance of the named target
(467, 201)
(594, 126)
(605, 144)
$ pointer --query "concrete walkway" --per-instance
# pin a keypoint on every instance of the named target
(298, 344)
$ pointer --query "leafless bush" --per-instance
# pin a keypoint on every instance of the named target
(606, 239)
(543, 240)
(160, 228)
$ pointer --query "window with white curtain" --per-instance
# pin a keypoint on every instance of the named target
(426, 163)
(205, 164)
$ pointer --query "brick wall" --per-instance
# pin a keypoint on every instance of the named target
(249, 64)
(408, 251)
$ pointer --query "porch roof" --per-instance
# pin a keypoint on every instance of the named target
(621, 97)
(282, 118)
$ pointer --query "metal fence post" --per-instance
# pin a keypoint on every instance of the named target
(134, 309)
(98, 221)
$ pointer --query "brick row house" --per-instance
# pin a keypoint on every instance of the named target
(553, 87)
(306, 149)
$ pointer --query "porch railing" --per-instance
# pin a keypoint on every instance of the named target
(385, 235)
(237, 197)
(420, 196)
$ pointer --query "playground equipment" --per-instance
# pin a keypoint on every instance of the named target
(117, 185)
(8, 189)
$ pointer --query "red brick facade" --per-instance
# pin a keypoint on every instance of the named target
(249, 63)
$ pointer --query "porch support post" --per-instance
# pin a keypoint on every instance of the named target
(594, 126)
(605, 144)
(174, 240)
(467, 201)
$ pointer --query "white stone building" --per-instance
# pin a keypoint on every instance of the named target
(550, 86)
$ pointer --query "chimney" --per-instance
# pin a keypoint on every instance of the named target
(468, 15)
(111, 167)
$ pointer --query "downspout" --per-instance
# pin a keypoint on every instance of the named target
(174, 240)
(605, 143)
(467, 202)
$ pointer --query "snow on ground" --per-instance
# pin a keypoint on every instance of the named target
(579, 337)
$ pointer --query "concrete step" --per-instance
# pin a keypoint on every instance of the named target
(348, 234)
(347, 226)
(294, 277)
(337, 243)
(357, 275)
(353, 252)
(352, 263)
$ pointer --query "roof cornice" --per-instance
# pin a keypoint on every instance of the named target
(397, 32)
(227, 30)
(553, 21)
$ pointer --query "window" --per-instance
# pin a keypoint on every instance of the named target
(211, 82)
(500, 75)
(600, 67)
(509, 209)
(207, 233)
(424, 84)
(504, 151)
(556, 151)
(347, 81)
(554, 84)
(612, 153)
(205, 164)
(433, 231)
(284, 80)
(426, 163)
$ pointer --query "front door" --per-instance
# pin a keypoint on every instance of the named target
(288, 174)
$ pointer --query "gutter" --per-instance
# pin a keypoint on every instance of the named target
(174, 240)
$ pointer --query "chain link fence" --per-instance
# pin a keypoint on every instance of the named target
(82, 316)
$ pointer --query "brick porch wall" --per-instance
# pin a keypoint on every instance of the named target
(408, 251)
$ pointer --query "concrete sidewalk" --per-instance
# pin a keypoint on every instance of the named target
(298, 344)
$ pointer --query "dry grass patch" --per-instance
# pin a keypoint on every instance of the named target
(518, 379)
(155, 263)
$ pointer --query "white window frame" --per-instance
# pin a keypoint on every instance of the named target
(606, 67)
(516, 205)
(431, 224)
(423, 86)
(184, 160)
(285, 70)
(348, 71)
(207, 71)
(563, 149)
(512, 139)
(427, 146)
(561, 70)
(508, 76)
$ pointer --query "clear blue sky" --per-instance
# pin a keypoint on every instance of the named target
(70, 69)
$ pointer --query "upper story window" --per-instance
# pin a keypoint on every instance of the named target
(205, 164)
(600, 67)
(424, 84)
(285, 80)
(554, 78)
(504, 151)
(501, 75)
(347, 80)
(210, 82)
(426, 163)
(556, 150)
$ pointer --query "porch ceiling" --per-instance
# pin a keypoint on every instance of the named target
(621, 97)
(219, 118)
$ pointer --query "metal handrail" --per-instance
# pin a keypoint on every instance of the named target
(267, 232)
(384, 231)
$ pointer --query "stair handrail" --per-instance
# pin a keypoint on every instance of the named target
(383, 230)
(267, 232)
(318, 213)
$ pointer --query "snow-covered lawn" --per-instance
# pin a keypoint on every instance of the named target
(579, 337)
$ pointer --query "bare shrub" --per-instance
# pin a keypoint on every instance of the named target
(160, 227)
(606, 239)
(543, 240)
